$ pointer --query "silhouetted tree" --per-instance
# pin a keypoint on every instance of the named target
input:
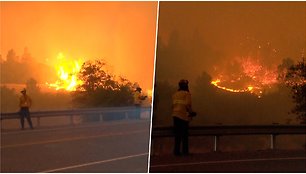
(296, 79)
(11, 68)
(94, 76)
(283, 68)
(163, 92)
(11, 56)
(14, 70)
(101, 88)
(26, 56)
(32, 86)
(204, 96)
(9, 100)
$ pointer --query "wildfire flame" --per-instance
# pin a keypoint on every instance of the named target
(253, 77)
(215, 82)
(67, 71)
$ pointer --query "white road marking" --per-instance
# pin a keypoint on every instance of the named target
(93, 163)
(75, 138)
(226, 161)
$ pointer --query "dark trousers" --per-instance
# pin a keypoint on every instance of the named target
(137, 111)
(25, 113)
(180, 135)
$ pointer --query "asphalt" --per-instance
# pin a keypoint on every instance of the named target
(238, 161)
(102, 147)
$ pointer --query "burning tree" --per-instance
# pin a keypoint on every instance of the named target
(296, 79)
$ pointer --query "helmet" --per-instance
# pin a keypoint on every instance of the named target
(183, 85)
(23, 90)
(183, 81)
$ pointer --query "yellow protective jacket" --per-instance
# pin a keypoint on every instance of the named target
(25, 101)
(181, 104)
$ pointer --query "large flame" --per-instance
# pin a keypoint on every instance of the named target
(253, 77)
(216, 83)
(67, 71)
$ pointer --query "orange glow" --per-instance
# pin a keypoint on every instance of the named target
(67, 71)
(121, 33)
(258, 72)
(250, 88)
(149, 92)
(253, 78)
(215, 82)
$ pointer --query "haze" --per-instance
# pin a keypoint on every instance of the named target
(208, 34)
(122, 33)
(239, 43)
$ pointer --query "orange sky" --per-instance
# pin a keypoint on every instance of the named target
(208, 36)
(122, 33)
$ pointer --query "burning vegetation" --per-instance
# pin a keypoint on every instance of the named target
(250, 76)
(67, 72)
(78, 83)
(244, 85)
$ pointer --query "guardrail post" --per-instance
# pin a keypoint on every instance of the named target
(216, 139)
(272, 141)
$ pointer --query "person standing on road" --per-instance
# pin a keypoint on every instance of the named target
(182, 114)
(25, 103)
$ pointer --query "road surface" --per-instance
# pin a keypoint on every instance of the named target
(120, 146)
(243, 161)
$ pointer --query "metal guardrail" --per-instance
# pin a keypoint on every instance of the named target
(226, 130)
(101, 112)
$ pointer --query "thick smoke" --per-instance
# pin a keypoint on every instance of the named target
(202, 41)
(211, 36)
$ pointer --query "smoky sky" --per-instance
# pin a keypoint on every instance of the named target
(121, 33)
(198, 36)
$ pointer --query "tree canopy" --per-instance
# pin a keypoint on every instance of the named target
(296, 79)
(100, 88)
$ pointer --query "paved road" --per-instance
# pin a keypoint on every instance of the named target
(101, 147)
(123, 147)
(246, 161)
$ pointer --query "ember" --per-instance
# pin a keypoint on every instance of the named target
(253, 77)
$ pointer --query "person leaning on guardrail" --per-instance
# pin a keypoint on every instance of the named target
(138, 98)
(182, 114)
(25, 103)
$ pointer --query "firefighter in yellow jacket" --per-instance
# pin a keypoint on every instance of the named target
(182, 114)
(25, 103)
(138, 98)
